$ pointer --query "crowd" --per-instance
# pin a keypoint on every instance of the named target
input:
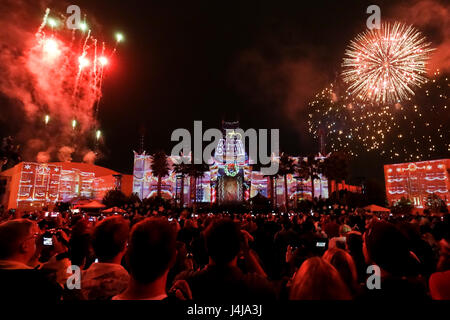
(168, 256)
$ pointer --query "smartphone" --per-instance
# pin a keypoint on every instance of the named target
(92, 219)
(96, 261)
(47, 241)
(54, 214)
(321, 244)
(46, 214)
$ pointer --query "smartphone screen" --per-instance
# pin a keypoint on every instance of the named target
(321, 244)
(47, 241)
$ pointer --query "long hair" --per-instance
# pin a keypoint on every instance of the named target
(344, 264)
(318, 280)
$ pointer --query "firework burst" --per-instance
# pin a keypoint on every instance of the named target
(418, 128)
(55, 75)
(385, 65)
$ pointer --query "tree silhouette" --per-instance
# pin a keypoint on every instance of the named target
(160, 168)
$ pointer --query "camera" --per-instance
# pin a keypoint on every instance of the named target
(47, 238)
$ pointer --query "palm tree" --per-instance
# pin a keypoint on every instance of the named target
(272, 193)
(286, 167)
(312, 167)
(302, 172)
(181, 169)
(335, 167)
(9, 153)
(196, 171)
(160, 168)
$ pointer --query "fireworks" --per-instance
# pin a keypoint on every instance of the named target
(98, 134)
(385, 65)
(119, 37)
(418, 128)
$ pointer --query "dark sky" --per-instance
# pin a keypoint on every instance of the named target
(212, 60)
(258, 62)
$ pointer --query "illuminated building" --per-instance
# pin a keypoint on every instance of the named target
(417, 180)
(230, 179)
(30, 185)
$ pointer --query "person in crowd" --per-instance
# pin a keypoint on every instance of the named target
(344, 264)
(354, 246)
(151, 254)
(331, 228)
(221, 279)
(318, 280)
(18, 277)
(80, 244)
(439, 284)
(385, 246)
(107, 278)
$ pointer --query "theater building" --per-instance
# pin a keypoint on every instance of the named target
(230, 178)
(417, 180)
(31, 185)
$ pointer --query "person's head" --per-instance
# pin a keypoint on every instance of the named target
(18, 240)
(109, 239)
(318, 280)
(386, 246)
(80, 243)
(223, 240)
(344, 264)
(354, 243)
(151, 250)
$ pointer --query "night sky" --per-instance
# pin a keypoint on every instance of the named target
(259, 62)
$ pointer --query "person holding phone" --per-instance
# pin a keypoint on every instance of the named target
(222, 279)
(18, 277)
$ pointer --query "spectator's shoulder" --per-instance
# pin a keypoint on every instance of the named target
(260, 285)
(185, 275)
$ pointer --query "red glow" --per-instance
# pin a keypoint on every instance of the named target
(83, 61)
(51, 48)
(103, 61)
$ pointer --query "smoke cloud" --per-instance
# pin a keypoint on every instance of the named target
(89, 157)
(35, 87)
(65, 154)
(432, 18)
(43, 157)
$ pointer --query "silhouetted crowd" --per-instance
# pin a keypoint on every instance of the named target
(224, 257)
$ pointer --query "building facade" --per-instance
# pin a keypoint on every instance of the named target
(230, 178)
(31, 185)
(417, 180)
